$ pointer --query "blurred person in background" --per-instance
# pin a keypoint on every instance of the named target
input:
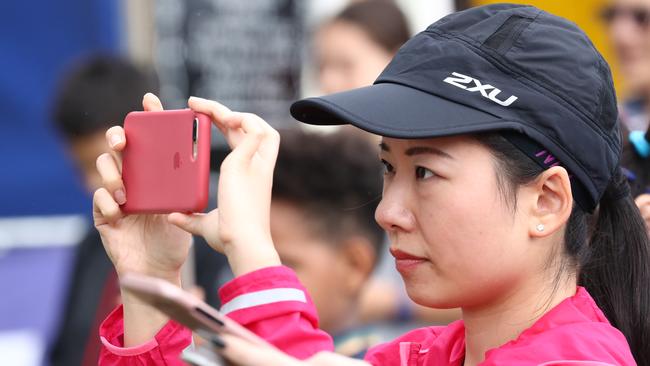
(351, 50)
(628, 23)
(82, 116)
(325, 191)
(353, 47)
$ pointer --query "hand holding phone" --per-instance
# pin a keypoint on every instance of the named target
(154, 244)
(240, 227)
(135, 243)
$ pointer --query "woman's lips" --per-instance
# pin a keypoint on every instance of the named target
(405, 261)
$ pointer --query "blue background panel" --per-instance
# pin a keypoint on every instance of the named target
(38, 41)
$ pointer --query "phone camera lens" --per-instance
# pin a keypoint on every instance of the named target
(195, 130)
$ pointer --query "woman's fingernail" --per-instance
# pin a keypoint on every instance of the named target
(120, 197)
(115, 139)
(196, 98)
(217, 341)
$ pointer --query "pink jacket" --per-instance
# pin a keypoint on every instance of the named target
(272, 303)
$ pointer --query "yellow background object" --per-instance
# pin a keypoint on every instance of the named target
(586, 14)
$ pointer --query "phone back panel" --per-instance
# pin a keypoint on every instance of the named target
(160, 170)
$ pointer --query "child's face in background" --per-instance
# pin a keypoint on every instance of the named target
(457, 242)
(333, 274)
(84, 151)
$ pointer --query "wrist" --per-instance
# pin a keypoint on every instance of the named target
(170, 275)
(128, 298)
(142, 320)
(245, 259)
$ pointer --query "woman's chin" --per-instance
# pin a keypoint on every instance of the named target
(436, 297)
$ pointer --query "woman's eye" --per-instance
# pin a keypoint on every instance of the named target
(388, 169)
(423, 173)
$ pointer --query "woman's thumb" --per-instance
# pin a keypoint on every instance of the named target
(193, 223)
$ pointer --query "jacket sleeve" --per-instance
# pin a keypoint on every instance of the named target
(273, 304)
(164, 349)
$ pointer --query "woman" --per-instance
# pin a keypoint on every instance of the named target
(502, 196)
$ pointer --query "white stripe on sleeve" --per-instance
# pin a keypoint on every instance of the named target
(263, 297)
(574, 362)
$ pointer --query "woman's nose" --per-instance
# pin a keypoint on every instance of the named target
(392, 213)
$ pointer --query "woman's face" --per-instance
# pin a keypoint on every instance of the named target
(347, 57)
(456, 240)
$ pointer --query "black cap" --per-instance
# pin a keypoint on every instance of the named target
(495, 68)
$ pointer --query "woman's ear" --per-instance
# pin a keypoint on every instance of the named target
(551, 202)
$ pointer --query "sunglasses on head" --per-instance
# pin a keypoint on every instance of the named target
(640, 16)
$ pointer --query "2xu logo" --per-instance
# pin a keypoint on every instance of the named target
(462, 81)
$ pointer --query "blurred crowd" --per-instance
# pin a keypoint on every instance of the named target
(327, 182)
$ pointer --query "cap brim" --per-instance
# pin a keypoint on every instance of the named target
(394, 110)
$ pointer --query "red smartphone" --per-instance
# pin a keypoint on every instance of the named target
(184, 307)
(166, 161)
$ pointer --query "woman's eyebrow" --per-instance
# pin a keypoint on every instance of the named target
(419, 150)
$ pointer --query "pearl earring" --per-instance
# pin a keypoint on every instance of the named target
(540, 227)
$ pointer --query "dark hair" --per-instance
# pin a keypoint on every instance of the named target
(382, 20)
(334, 179)
(97, 93)
(637, 166)
(609, 250)
(462, 4)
